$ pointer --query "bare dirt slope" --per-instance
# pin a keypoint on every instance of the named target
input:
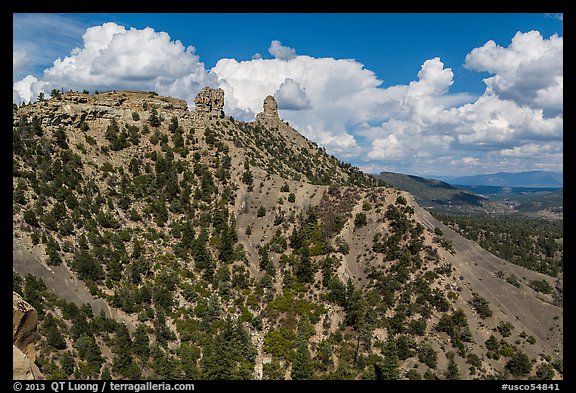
(61, 281)
(532, 311)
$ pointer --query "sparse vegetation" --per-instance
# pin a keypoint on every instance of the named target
(528, 242)
(186, 237)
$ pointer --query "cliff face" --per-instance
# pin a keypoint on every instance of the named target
(24, 322)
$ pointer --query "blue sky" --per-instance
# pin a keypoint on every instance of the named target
(365, 86)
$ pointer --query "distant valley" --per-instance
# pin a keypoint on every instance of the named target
(451, 196)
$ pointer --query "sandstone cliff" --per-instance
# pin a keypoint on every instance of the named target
(209, 104)
(270, 111)
(24, 322)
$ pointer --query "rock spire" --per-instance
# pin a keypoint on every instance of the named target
(270, 111)
(209, 104)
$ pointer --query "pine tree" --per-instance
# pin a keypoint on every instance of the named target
(154, 120)
(304, 269)
(389, 369)
(60, 138)
(272, 370)
(67, 363)
(302, 365)
(122, 351)
(265, 262)
(452, 372)
(226, 249)
(141, 343)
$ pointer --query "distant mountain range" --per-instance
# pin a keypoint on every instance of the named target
(440, 196)
(536, 179)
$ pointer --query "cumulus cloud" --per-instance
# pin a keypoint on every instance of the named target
(433, 79)
(427, 125)
(291, 96)
(26, 90)
(281, 52)
(491, 121)
(386, 149)
(418, 127)
(529, 71)
(342, 92)
(114, 58)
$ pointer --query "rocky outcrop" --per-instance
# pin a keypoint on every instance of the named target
(72, 108)
(270, 112)
(209, 104)
(24, 322)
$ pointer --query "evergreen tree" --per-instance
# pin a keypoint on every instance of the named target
(154, 119)
(452, 372)
(67, 363)
(389, 368)
(304, 269)
(265, 262)
(141, 343)
(54, 338)
(272, 370)
(226, 249)
(122, 350)
(519, 364)
(60, 138)
(188, 356)
(202, 257)
(302, 365)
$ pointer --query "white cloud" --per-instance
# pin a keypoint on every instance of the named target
(491, 121)
(526, 72)
(470, 160)
(433, 79)
(533, 149)
(256, 56)
(388, 148)
(114, 58)
(551, 98)
(342, 92)
(26, 90)
(281, 52)
(417, 127)
(291, 96)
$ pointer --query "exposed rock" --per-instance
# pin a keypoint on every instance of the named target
(78, 98)
(111, 100)
(209, 104)
(22, 366)
(270, 112)
(73, 108)
(24, 322)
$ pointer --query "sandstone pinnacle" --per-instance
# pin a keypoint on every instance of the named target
(270, 111)
(209, 103)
